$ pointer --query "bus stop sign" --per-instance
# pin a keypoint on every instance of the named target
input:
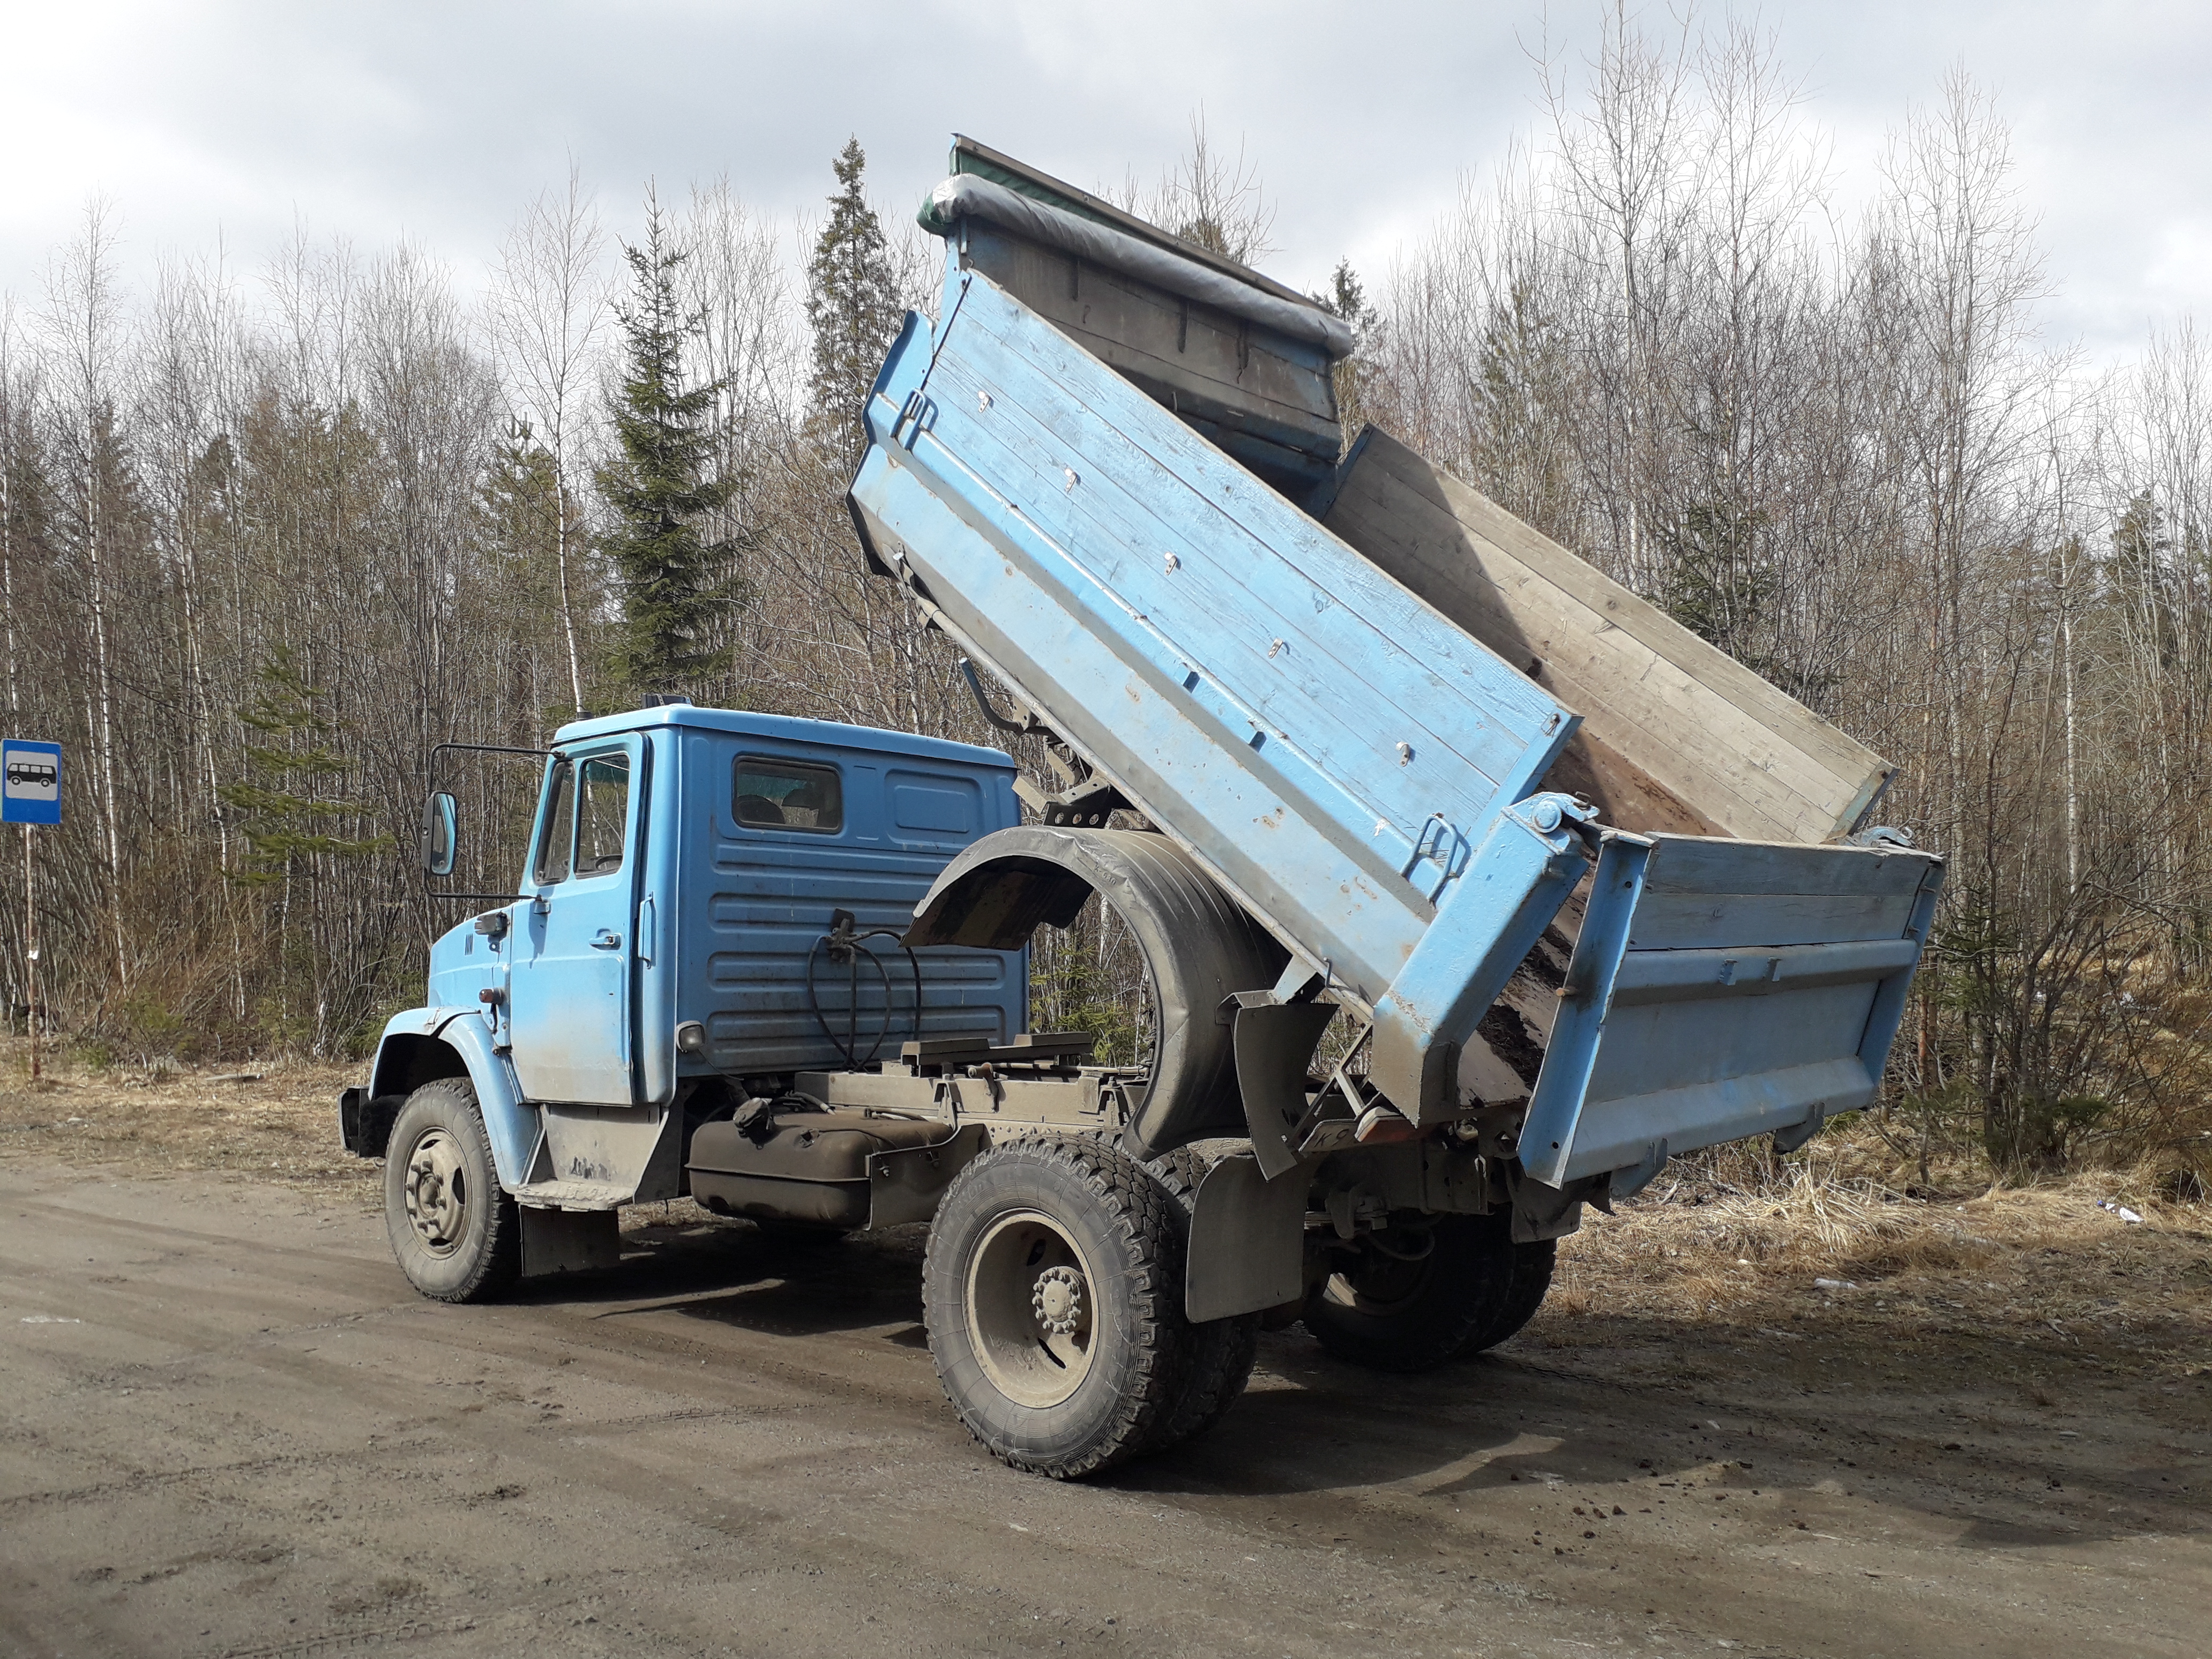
(31, 791)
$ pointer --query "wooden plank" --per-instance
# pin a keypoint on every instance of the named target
(1677, 735)
(1644, 621)
(1655, 714)
(1737, 772)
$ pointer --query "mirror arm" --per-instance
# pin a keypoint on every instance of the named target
(438, 749)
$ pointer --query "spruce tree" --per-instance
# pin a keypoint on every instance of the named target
(853, 305)
(672, 581)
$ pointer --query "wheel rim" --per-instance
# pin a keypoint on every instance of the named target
(437, 1192)
(1032, 1316)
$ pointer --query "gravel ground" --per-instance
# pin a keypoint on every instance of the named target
(232, 1429)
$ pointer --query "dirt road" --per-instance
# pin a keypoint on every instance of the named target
(231, 1429)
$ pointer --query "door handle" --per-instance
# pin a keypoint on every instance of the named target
(606, 940)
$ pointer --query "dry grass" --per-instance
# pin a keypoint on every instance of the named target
(281, 1126)
(1806, 1242)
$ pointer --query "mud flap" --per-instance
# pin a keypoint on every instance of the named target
(1247, 1242)
(569, 1240)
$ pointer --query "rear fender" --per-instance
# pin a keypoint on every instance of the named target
(424, 1044)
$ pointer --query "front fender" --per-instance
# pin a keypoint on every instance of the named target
(425, 1043)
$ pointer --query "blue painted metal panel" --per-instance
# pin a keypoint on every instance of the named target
(756, 899)
(1350, 765)
(511, 1125)
(1667, 1040)
(31, 791)
(573, 947)
(1328, 746)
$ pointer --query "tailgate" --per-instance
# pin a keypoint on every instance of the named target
(1720, 989)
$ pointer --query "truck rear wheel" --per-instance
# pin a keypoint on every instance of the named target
(1052, 1293)
(1222, 1351)
(1531, 1278)
(452, 1227)
(1415, 1294)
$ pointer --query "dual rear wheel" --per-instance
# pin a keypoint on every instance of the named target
(1410, 1297)
(1053, 1293)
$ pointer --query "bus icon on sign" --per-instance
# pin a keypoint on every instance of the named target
(30, 782)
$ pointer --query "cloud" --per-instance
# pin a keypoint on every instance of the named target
(437, 121)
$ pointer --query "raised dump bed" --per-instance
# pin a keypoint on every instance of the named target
(1366, 774)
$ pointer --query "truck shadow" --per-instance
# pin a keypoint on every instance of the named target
(1967, 1437)
(734, 1273)
(1962, 1442)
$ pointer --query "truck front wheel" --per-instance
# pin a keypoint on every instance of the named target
(1053, 1294)
(1414, 1295)
(453, 1228)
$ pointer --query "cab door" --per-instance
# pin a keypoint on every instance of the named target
(571, 990)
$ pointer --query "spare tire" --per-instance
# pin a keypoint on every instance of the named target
(1199, 946)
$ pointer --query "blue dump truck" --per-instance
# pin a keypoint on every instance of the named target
(1470, 888)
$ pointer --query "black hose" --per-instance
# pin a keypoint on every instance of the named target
(849, 1048)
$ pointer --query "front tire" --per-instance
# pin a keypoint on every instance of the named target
(1415, 1294)
(1052, 1293)
(452, 1227)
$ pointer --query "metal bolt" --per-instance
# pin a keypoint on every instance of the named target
(1546, 816)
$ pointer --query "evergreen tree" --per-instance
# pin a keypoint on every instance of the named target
(1346, 297)
(672, 581)
(279, 804)
(853, 305)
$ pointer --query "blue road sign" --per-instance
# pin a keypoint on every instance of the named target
(31, 791)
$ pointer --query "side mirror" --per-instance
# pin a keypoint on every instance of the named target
(441, 835)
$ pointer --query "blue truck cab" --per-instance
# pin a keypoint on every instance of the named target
(685, 870)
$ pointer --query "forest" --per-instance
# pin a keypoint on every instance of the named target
(268, 534)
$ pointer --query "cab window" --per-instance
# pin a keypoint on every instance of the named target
(558, 839)
(588, 822)
(780, 795)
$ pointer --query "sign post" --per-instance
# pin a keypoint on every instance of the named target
(30, 793)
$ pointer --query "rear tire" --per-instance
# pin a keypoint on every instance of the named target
(1052, 1293)
(1222, 1351)
(1531, 1278)
(1392, 1314)
(452, 1227)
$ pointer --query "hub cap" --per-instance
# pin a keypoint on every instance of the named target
(437, 1192)
(1030, 1309)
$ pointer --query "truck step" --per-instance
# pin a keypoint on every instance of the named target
(571, 1194)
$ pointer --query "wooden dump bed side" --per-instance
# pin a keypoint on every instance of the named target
(1677, 735)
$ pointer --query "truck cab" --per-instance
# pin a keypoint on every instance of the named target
(689, 928)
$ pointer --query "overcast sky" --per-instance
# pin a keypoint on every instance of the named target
(436, 121)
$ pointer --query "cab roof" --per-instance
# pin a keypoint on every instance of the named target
(785, 728)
